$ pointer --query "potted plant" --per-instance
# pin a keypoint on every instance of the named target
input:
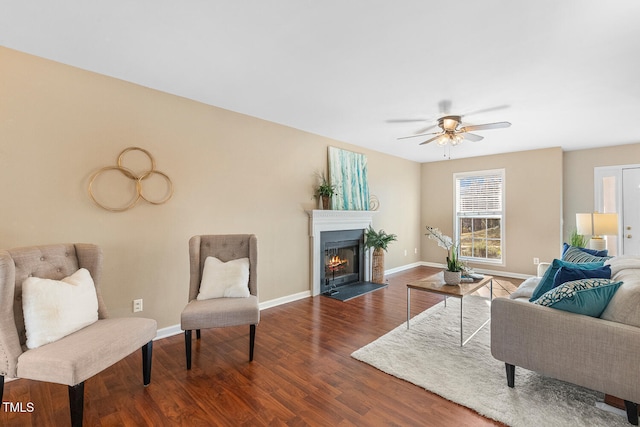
(578, 240)
(378, 240)
(453, 273)
(324, 191)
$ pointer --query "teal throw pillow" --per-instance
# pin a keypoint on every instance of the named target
(573, 254)
(586, 296)
(546, 283)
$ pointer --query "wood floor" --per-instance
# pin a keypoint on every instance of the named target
(302, 374)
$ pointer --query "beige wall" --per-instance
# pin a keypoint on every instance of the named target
(232, 174)
(533, 205)
(579, 185)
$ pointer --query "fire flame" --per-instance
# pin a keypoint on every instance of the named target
(336, 263)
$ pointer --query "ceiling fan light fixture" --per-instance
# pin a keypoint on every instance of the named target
(450, 123)
(443, 140)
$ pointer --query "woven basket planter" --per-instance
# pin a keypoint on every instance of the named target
(377, 266)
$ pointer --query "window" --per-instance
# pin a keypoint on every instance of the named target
(479, 228)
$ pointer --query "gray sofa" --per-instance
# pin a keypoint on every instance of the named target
(601, 354)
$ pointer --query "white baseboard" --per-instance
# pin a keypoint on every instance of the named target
(403, 267)
(167, 332)
(283, 300)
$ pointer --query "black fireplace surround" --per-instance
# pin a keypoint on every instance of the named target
(342, 259)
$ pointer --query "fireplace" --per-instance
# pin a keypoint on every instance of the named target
(342, 258)
(333, 220)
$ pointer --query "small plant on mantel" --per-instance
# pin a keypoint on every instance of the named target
(324, 191)
(378, 240)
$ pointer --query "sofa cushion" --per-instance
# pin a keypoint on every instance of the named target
(224, 279)
(573, 254)
(546, 283)
(86, 352)
(56, 308)
(604, 252)
(569, 274)
(623, 308)
(585, 296)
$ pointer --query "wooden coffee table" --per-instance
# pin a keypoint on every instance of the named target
(436, 285)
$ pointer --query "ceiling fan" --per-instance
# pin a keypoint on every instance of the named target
(453, 131)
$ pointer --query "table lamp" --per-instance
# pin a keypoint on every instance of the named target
(597, 225)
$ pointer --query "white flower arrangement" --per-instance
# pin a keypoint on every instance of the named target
(446, 242)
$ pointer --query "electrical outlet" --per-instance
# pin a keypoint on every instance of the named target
(415, 250)
(405, 252)
(536, 261)
(137, 305)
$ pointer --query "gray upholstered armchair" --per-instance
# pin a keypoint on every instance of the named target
(217, 312)
(79, 355)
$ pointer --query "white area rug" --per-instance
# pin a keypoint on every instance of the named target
(429, 355)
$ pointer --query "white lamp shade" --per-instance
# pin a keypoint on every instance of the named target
(605, 224)
(584, 224)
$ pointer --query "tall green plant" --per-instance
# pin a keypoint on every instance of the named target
(578, 240)
(378, 239)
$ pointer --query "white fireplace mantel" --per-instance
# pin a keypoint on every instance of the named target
(331, 220)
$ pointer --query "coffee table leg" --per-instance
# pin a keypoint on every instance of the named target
(408, 305)
(461, 333)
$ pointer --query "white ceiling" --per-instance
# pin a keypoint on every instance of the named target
(567, 70)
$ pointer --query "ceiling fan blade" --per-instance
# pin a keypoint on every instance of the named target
(486, 110)
(405, 120)
(472, 137)
(423, 130)
(430, 139)
(422, 134)
(486, 126)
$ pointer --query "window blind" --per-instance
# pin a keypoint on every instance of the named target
(479, 193)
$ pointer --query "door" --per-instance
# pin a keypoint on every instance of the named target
(631, 211)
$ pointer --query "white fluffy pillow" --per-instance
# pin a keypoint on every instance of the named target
(56, 308)
(224, 279)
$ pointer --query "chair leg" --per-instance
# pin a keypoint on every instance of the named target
(147, 351)
(197, 334)
(252, 341)
(632, 412)
(76, 404)
(1, 387)
(187, 347)
(511, 374)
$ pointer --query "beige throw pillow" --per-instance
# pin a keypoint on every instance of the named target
(54, 309)
(224, 279)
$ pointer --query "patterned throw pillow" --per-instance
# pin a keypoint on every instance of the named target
(585, 296)
(573, 254)
(595, 252)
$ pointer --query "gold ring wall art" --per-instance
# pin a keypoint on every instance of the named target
(136, 179)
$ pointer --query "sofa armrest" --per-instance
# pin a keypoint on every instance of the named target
(542, 268)
(591, 352)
